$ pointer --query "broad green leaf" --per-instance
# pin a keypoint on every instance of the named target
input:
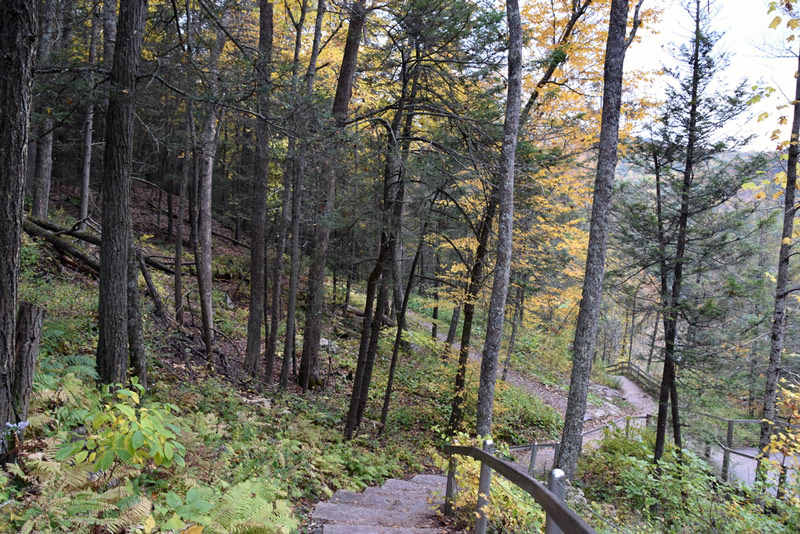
(138, 439)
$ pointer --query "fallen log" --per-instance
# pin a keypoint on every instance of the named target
(91, 238)
(62, 245)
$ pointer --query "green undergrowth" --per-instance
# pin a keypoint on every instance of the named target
(199, 454)
(622, 486)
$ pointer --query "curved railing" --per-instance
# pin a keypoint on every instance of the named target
(559, 516)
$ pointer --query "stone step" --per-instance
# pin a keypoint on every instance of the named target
(419, 496)
(390, 500)
(403, 485)
(434, 482)
(347, 514)
(362, 529)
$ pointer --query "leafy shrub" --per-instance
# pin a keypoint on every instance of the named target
(680, 493)
(123, 431)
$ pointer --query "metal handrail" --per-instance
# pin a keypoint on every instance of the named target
(559, 513)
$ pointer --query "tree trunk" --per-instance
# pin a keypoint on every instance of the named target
(44, 170)
(257, 242)
(18, 31)
(28, 331)
(136, 350)
(453, 329)
(298, 172)
(374, 280)
(435, 316)
(673, 301)
(401, 325)
(43, 166)
(776, 340)
(186, 163)
(751, 380)
(109, 31)
(112, 345)
(653, 340)
(208, 149)
(471, 294)
(519, 308)
(502, 269)
(327, 187)
(209, 135)
(88, 122)
(588, 314)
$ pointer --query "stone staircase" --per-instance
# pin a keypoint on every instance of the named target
(397, 507)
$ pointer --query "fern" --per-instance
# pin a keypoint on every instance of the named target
(251, 507)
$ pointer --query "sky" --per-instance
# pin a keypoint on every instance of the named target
(746, 37)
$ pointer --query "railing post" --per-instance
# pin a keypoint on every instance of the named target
(484, 485)
(627, 426)
(556, 450)
(451, 490)
(555, 483)
(726, 454)
(532, 466)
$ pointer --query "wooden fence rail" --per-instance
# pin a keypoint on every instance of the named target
(558, 513)
(640, 376)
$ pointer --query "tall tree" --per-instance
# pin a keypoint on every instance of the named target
(259, 214)
(777, 333)
(586, 328)
(112, 345)
(88, 128)
(298, 172)
(555, 59)
(18, 30)
(327, 188)
(497, 304)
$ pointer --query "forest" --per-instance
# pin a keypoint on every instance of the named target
(265, 265)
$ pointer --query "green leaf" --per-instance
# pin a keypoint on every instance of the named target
(66, 451)
(173, 500)
(81, 456)
(106, 460)
(138, 439)
(126, 410)
(174, 523)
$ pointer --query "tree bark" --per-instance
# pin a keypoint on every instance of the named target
(112, 345)
(776, 340)
(258, 219)
(502, 270)
(28, 331)
(208, 149)
(586, 328)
